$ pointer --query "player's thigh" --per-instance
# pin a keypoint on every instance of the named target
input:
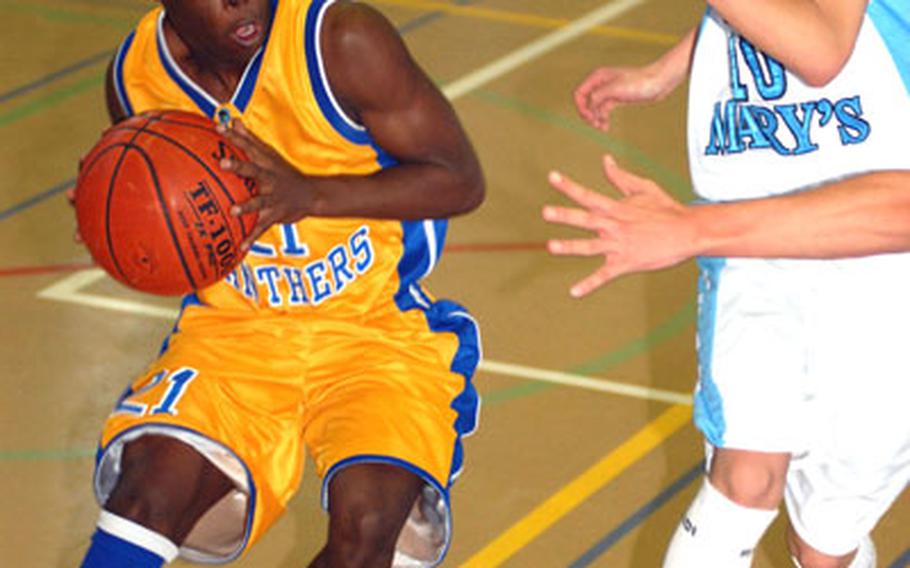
(859, 461)
(217, 393)
(752, 356)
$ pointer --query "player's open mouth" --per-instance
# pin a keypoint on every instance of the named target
(247, 34)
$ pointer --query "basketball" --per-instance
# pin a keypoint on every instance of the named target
(153, 205)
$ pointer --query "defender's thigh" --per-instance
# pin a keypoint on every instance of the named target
(859, 462)
(752, 356)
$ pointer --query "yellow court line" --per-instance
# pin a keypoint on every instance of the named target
(578, 490)
(530, 20)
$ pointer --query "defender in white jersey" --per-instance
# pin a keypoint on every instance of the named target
(797, 146)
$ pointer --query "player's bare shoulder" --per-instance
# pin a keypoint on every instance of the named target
(366, 60)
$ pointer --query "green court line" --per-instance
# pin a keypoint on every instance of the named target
(668, 179)
(67, 16)
(669, 329)
(663, 332)
(51, 99)
(59, 454)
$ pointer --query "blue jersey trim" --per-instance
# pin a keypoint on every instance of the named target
(188, 300)
(423, 243)
(709, 404)
(248, 81)
(201, 100)
(320, 83)
(247, 84)
(206, 103)
(445, 316)
(892, 20)
(119, 85)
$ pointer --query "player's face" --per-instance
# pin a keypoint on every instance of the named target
(228, 31)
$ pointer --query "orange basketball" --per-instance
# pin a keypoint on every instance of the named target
(153, 205)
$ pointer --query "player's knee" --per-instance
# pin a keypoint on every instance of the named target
(165, 485)
(751, 484)
(805, 556)
(362, 537)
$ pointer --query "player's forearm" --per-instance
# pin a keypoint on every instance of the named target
(408, 191)
(861, 216)
(812, 38)
(673, 66)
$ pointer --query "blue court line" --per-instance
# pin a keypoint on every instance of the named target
(903, 561)
(429, 18)
(36, 199)
(637, 518)
(59, 74)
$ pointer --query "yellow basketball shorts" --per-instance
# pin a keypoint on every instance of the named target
(252, 393)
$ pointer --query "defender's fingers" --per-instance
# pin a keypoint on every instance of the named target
(577, 247)
(579, 193)
(602, 276)
(572, 217)
(623, 180)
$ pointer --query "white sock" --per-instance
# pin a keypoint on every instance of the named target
(716, 531)
(139, 535)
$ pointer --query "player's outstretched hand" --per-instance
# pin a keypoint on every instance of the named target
(284, 195)
(608, 87)
(644, 229)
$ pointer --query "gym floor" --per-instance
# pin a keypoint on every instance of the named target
(586, 455)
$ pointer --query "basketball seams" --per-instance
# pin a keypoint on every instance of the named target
(165, 211)
(166, 117)
(109, 200)
(208, 170)
(189, 146)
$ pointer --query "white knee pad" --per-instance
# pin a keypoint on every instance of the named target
(716, 531)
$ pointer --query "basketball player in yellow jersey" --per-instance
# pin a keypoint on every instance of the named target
(323, 341)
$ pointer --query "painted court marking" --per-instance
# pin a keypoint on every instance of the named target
(581, 488)
(539, 47)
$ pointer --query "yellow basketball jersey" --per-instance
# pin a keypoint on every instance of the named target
(338, 268)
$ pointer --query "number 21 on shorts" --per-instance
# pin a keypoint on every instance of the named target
(177, 383)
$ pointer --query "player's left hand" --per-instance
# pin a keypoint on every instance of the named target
(645, 229)
(285, 195)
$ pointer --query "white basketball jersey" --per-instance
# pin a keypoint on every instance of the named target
(755, 129)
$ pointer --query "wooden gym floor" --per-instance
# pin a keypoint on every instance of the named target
(585, 456)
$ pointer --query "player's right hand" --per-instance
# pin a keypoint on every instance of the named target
(607, 87)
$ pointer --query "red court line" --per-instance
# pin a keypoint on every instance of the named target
(454, 248)
(496, 247)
